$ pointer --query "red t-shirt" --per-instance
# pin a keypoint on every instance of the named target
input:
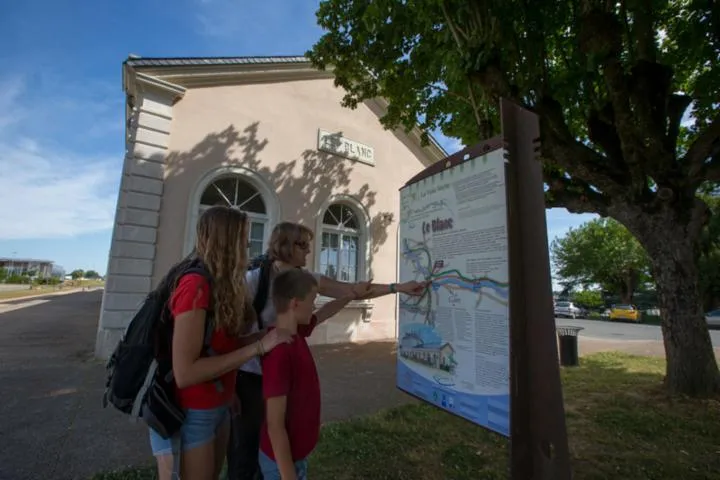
(289, 370)
(193, 292)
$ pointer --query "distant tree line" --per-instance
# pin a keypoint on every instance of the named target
(603, 253)
(31, 277)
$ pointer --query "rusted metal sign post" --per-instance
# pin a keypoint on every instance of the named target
(538, 438)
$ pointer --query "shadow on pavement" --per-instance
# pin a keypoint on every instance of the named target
(53, 425)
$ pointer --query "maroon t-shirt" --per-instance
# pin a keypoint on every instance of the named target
(289, 370)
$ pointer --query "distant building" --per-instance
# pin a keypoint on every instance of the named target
(27, 266)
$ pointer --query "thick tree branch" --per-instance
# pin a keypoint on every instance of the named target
(601, 38)
(644, 30)
(453, 27)
(563, 149)
(574, 195)
(603, 134)
(677, 105)
(706, 145)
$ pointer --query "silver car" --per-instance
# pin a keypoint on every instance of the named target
(567, 309)
(713, 318)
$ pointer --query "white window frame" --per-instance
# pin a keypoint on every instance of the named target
(272, 204)
(362, 232)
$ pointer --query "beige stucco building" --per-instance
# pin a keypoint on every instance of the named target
(270, 136)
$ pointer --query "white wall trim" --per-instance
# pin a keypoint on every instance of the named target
(272, 202)
(364, 223)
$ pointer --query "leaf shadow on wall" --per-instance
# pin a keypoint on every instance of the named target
(310, 178)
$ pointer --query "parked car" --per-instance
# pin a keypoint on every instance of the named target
(625, 312)
(713, 318)
(567, 309)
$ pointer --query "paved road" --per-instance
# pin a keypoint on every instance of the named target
(623, 331)
(51, 422)
(52, 425)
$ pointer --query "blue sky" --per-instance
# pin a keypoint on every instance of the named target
(61, 105)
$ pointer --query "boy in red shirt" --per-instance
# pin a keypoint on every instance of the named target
(291, 387)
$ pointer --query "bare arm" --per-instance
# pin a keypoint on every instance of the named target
(276, 408)
(189, 368)
(335, 289)
(331, 308)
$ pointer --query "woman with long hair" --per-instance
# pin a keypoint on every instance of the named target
(288, 248)
(206, 383)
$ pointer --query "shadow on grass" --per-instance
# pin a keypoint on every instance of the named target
(620, 424)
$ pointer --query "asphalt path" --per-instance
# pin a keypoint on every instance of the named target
(622, 331)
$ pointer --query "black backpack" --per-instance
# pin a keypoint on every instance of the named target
(264, 263)
(140, 379)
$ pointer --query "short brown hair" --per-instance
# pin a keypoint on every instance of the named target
(294, 283)
(284, 237)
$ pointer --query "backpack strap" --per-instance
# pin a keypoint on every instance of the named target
(263, 289)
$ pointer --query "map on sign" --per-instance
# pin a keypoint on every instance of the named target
(453, 344)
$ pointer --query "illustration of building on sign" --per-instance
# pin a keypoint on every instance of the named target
(436, 355)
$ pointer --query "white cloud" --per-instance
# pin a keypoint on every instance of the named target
(51, 183)
(46, 193)
(10, 90)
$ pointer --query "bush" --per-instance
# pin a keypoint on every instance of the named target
(594, 316)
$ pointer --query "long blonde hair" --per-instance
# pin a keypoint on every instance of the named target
(222, 238)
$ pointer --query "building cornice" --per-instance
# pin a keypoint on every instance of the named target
(175, 76)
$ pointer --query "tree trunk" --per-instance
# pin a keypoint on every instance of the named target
(672, 245)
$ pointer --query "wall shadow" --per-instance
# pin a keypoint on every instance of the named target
(311, 177)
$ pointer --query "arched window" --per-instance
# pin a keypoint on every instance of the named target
(234, 191)
(341, 244)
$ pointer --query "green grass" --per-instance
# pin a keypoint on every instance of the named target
(38, 290)
(620, 425)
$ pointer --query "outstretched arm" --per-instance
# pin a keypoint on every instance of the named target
(335, 289)
(331, 308)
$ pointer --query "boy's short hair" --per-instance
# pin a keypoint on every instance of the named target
(294, 283)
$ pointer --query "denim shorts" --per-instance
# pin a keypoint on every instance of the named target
(199, 428)
(270, 470)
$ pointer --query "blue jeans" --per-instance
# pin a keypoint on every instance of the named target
(199, 428)
(270, 469)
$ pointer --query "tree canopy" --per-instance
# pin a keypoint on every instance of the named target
(627, 95)
(611, 82)
(602, 252)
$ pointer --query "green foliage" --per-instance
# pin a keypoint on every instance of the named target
(77, 274)
(91, 275)
(611, 83)
(588, 298)
(601, 252)
(14, 278)
(447, 62)
(709, 265)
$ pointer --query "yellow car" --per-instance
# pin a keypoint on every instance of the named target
(625, 312)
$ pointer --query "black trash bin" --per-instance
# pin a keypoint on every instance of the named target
(568, 339)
